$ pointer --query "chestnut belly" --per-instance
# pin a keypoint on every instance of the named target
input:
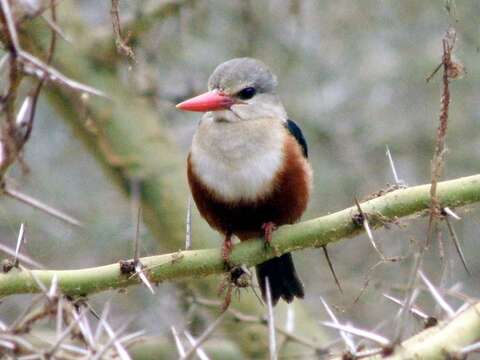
(285, 204)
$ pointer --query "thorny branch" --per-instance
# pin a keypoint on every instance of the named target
(451, 70)
(16, 131)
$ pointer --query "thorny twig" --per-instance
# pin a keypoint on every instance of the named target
(120, 41)
(451, 70)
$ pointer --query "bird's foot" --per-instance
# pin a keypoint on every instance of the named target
(268, 229)
(227, 248)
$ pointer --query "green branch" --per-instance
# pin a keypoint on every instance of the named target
(200, 263)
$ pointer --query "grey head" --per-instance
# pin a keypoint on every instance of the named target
(251, 84)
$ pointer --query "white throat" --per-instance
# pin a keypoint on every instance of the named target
(238, 161)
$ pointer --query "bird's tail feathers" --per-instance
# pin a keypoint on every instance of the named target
(282, 277)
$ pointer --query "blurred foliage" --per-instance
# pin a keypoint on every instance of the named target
(351, 73)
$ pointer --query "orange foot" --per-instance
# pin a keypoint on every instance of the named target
(227, 247)
(268, 228)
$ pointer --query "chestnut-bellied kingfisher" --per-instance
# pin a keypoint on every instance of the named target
(247, 167)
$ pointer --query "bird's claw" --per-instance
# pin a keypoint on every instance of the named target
(268, 229)
(227, 249)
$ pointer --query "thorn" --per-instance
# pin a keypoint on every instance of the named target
(122, 353)
(436, 295)
(113, 341)
(23, 115)
(414, 310)
(40, 284)
(131, 337)
(398, 181)
(136, 211)
(462, 308)
(450, 212)
(56, 28)
(290, 321)
(210, 329)
(62, 336)
(20, 238)
(143, 277)
(104, 315)
(200, 352)
(40, 69)
(52, 292)
(41, 206)
(137, 237)
(470, 348)
(366, 225)
(346, 339)
(456, 242)
(188, 225)
(381, 340)
(25, 259)
(4, 61)
(178, 343)
(85, 329)
(332, 269)
(59, 323)
(271, 323)
(409, 298)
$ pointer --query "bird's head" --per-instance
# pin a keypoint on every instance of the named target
(240, 89)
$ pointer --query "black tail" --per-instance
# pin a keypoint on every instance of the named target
(282, 277)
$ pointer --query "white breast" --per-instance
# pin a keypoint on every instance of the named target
(238, 161)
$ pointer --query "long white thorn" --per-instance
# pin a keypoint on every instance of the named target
(436, 295)
(17, 195)
(381, 340)
(202, 355)
(20, 238)
(272, 344)
(346, 339)
(413, 309)
(398, 181)
(178, 342)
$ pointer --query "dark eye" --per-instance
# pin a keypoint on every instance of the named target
(247, 93)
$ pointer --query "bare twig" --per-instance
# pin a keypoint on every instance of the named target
(120, 41)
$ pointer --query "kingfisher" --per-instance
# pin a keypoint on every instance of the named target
(247, 168)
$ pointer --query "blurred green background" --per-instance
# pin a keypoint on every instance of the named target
(351, 73)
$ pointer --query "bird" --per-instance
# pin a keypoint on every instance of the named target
(248, 168)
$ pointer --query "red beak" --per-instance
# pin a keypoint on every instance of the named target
(209, 101)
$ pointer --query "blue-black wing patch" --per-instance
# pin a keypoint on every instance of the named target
(295, 130)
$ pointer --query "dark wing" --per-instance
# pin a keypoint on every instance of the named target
(294, 129)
